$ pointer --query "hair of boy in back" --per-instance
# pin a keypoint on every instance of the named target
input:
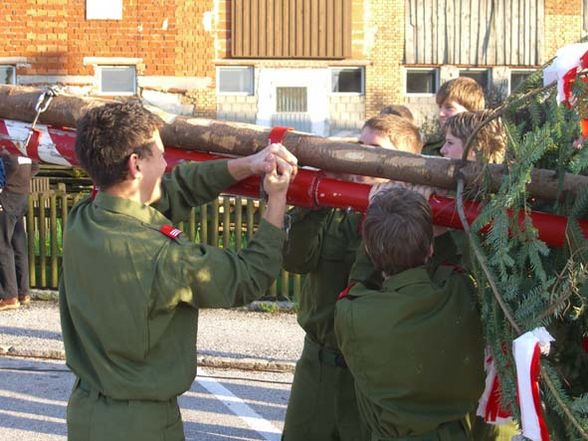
(464, 91)
(398, 230)
(402, 133)
(490, 141)
(398, 110)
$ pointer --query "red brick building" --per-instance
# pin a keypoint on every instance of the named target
(320, 65)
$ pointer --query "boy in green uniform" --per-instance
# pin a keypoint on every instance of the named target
(414, 342)
(322, 244)
(132, 284)
(461, 94)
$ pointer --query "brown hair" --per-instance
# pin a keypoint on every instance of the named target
(464, 91)
(109, 134)
(402, 133)
(398, 230)
(398, 110)
(490, 140)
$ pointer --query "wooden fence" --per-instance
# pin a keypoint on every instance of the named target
(228, 222)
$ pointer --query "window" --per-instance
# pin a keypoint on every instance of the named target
(480, 76)
(117, 80)
(235, 80)
(7, 74)
(104, 9)
(518, 77)
(291, 99)
(421, 81)
(347, 80)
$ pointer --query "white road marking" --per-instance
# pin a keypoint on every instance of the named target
(266, 429)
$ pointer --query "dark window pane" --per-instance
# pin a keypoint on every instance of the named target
(118, 79)
(235, 80)
(7, 75)
(518, 78)
(347, 80)
(480, 76)
(291, 99)
(421, 81)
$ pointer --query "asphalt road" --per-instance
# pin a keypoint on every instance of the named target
(221, 404)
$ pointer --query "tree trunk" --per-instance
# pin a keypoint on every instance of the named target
(242, 139)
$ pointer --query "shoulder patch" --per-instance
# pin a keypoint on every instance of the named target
(345, 293)
(170, 231)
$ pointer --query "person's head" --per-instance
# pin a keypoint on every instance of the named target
(398, 110)
(398, 230)
(461, 94)
(119, 143)
(490, 141)
(391, 132)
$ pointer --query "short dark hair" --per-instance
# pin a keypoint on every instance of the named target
(400, 131)
(107, 135)
(398, 110)
(398, 230)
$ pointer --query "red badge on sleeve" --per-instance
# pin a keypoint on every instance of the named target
(345, 292)
(170, 231)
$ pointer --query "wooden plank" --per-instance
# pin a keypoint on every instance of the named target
(541, 32)
(449, 20)
(322, 37)
(261, 35)
(31, 241)
(307, 29)
(442, 33)
(292, 36)
(236, 28)
(347, 28)
(254, 28)
(338, 35)
(490, 50)
(409, 49)
(420, 29)
(585, 14)
(300, 28)
(278, 26)
(498, 32)
(245, 17)
(271, 30)
(285, 28)
(330, 27)
(314, 29)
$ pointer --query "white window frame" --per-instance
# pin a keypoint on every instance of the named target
(13, 66)
(480, 69)
(104, 9)
(99, 68)
(408, 70)
(252, 85)
(362, 71)
(521, 70)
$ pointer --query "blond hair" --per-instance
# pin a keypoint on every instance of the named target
(490, 140)
(401, 132)
(464, 91)
(398, 110)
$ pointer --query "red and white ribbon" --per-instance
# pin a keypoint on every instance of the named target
(527, 350)
(489, 406)
(568, 60)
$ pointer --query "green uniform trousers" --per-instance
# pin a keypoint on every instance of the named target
(453, 431)
(322, 404)
(92, 416)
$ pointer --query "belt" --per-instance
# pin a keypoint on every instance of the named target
(328, 356)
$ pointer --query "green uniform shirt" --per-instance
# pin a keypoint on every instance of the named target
(321, 244)
(129, 295)
(415, 350)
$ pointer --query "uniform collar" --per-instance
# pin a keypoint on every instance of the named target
(412, 276)
(141, 212)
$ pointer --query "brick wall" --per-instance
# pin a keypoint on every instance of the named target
(563, 24)
(385, 24)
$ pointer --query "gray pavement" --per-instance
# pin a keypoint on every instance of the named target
(222, 404)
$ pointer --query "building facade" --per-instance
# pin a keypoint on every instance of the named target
(321, 66)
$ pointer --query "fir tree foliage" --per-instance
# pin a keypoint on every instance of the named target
(540, 286)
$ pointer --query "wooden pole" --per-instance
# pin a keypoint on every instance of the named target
(239, 139)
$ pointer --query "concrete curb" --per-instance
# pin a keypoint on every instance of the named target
(269, 306)
(248, 364)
